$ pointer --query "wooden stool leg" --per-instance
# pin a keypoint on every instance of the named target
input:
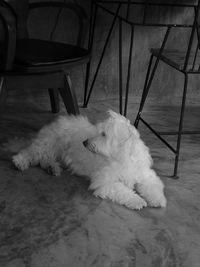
(69, 97)
(3, 94)
(87, 75)
(54, 98)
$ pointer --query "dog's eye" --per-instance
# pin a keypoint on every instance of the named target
(103, 134)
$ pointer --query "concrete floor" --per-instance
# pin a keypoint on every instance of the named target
(56, 222)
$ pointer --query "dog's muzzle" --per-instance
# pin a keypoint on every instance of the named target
(89, 146)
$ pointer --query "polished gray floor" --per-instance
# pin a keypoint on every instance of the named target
(56, 222)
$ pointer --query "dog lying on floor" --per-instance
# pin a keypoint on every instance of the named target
(110, 153)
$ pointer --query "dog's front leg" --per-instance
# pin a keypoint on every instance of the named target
(121, 194)
(152, 191)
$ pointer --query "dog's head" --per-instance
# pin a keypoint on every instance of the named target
(114, 138)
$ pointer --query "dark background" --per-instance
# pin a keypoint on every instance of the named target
(168, 83)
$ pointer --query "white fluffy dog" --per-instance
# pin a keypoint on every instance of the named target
(110, 153)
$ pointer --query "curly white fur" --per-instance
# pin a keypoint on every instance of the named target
(110, 153)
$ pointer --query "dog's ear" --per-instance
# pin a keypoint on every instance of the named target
(118, 116)
(112, 113)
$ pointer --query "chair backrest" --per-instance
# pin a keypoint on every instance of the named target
(188, 60)
(14, 19)
(192, 59)
(20, 10)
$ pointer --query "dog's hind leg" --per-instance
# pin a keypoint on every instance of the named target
(121, 194)
(30, 155)
(26, 157)
(23, 160)
(51, 166)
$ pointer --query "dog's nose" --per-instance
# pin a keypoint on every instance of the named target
(85, 143)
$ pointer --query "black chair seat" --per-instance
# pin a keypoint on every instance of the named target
(177, 59)
(33, 52)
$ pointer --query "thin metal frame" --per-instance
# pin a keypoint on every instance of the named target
(100, 4)
(185, 71)
(103, 52)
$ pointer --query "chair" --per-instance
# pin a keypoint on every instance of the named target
(185, 62)
(42, 61)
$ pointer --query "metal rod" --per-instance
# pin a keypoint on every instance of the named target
(129, 70)
(197, 27)
(143, 93)
(120, 68)
(128, 9)
(190, 44)
(176, 133)
(159, 137)
(195, 57)
(93, 15)
(143, 3)
(180, 125)
(146, 24)
(149, 80)
(103, 52)
(145, 11)
(157, 59)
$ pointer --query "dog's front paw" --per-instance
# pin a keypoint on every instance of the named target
(136, 203)
(55, 169)
(20, 162)
(157, 201)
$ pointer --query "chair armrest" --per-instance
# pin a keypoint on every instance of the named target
(77, 9)
(9, 24)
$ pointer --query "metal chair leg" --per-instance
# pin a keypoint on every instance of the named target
(145, 91)
(180, 126)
